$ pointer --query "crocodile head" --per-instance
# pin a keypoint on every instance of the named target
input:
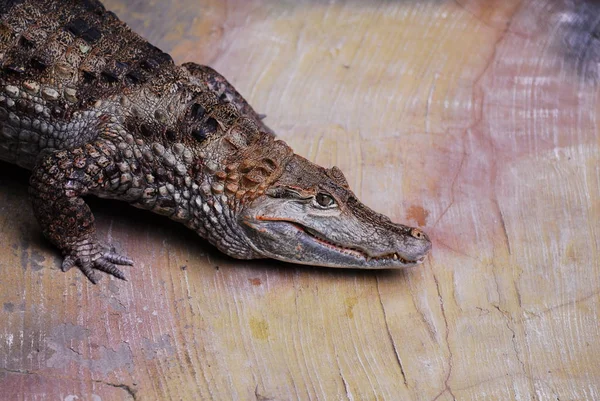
(310, 216)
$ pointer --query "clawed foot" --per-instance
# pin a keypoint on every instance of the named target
(90, 258)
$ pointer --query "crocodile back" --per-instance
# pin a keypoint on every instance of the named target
(78, 46)
(57, 59)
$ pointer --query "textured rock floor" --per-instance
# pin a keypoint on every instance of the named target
(473, 119)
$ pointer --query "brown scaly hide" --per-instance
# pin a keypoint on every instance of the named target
(256, 167)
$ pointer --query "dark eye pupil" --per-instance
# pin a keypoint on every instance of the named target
(324, 200)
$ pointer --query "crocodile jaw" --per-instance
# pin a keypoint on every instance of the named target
(292, 242)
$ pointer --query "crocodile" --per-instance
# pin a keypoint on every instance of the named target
(92, 108)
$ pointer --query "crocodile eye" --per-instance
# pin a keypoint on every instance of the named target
(325, 200)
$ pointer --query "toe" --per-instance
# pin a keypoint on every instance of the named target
(118, 259)
(89, 272)
(106, 266)
(68, 263)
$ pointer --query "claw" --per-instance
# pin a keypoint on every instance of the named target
(106, 261)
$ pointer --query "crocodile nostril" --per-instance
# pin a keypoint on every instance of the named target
(415, 232)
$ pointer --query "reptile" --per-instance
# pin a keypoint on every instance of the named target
(92, 108)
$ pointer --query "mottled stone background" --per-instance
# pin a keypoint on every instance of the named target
(473, 119)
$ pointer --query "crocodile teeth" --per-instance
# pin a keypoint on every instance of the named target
(340, 248)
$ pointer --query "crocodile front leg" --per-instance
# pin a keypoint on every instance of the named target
(57, 185)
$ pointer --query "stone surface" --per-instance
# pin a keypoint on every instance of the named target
(473, 119)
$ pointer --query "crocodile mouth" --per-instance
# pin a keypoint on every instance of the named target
(394, 257)
(353, 256)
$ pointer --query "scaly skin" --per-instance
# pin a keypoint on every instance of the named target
(94, 109)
